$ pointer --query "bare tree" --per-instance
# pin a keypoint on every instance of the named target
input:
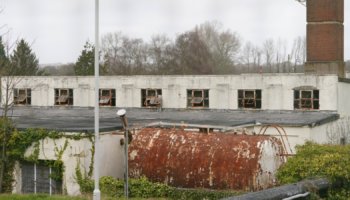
(192, 54)
(246, 55)
(223, 46)
(281, 55)
(136, 51)
(268, 51)
(112, 52)
(159, 53)
(122, 55)
(298, 52)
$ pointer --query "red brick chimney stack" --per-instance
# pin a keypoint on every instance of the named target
(325, 37)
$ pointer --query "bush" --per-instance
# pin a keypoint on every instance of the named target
(316, 160)
(137, 188)
(111, 186)
(199, 194)
(142, 188)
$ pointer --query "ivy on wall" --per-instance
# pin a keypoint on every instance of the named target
(17, 142)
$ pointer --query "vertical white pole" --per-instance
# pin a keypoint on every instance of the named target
(50, 181)
(97, 193)
(34, 178)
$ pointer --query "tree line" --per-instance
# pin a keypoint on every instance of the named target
(205, 49)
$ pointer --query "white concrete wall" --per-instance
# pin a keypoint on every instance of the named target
(343, 93)
(332, 132)
(295, 135)
(323, 134)
(79, 152)
(277, 89)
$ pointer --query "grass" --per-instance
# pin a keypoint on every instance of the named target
(58, 197)
(37, 197)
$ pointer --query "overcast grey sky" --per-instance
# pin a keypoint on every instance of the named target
(58, 29)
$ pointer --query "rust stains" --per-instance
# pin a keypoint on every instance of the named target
(216, 160)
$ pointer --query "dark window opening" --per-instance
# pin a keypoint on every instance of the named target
(306, 99)
(36, 178)
(107, 97)
(63, 96)
(22, 96)
(249, 99)
(151, 97)
(198, 98)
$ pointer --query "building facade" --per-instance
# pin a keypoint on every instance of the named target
(232, 92)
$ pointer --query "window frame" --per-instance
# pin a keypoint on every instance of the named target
(27, 99)
(111, 95)
(151, 100)
(58, 96)
(306, 99)
(246, 102)
(197, 98)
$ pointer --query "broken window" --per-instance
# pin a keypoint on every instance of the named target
(198, 98)
(63, 96)
(107, 97)
(151, 97)
(37, 178)
(306, 99)
(249, 99)
(22, 96)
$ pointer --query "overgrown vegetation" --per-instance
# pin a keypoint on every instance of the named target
(316, 160)
(17, 142)
(142, 188)
(60, 197)
(37, 197)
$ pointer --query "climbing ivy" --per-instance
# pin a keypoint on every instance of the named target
(84, 180)
(19, 141)
(92, 150)
(35, 154)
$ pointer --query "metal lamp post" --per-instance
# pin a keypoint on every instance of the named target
(97, 192)
(121, 113)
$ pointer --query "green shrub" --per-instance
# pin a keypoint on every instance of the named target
(137, 188)
(316, 160)
(143, 188)
(111, 187)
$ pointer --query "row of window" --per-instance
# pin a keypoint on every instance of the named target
(196, 98)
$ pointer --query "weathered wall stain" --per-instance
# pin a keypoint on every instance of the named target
(216, 160)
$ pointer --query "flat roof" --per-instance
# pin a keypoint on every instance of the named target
(72, 119)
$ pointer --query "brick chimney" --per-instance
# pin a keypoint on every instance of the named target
(325, 37)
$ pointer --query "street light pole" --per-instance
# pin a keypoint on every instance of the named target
(121, 113)
(97, 193)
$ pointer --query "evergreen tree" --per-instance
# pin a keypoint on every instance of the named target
(4, 61)
(23, 61)
(85, 63)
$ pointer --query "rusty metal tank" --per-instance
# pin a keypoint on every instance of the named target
(192, 159)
